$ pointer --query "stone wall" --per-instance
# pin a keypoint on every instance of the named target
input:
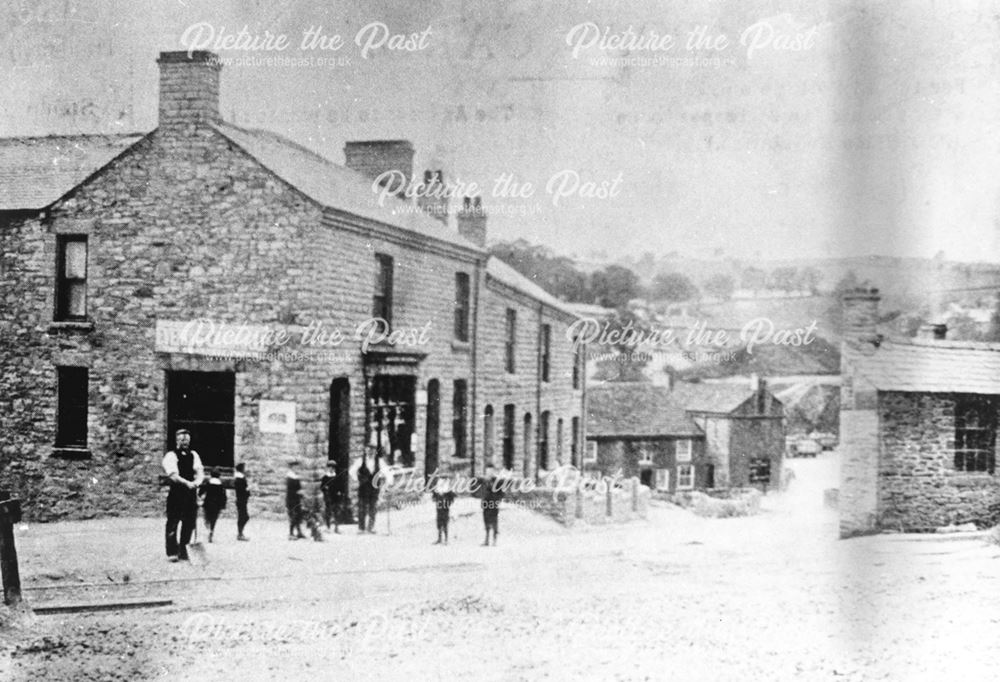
(920, 489)
(592, 504)
(623, 456)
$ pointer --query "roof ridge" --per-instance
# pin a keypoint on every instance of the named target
(55, 136)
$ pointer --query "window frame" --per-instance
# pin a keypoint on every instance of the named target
(686, 454)
(65, 284)
(510, 341)
(385, 266)
(68, 409)
(546, 348)
(657, 476)
(980, 459)
(463, 297)
(685, 471)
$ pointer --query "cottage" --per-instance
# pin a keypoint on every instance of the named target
(235, 283)
(918, 426)
(692, 436)
(638, 429)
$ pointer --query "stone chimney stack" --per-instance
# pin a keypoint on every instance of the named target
(933, 332)
(189, 89)
(860, 315)
(391, 161)
(472, 221)
(433, 198)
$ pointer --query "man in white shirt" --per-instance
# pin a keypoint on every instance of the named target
(184, 469)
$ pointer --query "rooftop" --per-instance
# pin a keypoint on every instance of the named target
(932, 366)
(637, 410)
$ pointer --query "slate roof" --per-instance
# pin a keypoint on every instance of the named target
(504, 273)
(336, 186)
(716, 398)
(636, 409)
(929, 366)
(37, 171)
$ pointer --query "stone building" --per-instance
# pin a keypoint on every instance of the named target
(238, 284)
(918, 426)
(700, 436)
(638, 429)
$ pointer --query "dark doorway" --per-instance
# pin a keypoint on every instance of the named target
(204, 404)
(393, 412)
(528, 435)
(646, 477)
(433, 427)
(339, 448)
(710, 476)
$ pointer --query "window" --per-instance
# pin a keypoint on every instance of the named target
(663, 479)
(546, 351)
(459, 404)
(591, 451)
(71, 278)
(71, 419)
(684, 450)
(685, 476)
(543, 441)
(510, 339)
(559, 441)
(760, 470)
(508, 437)
(382, 300)
(488, 436)
(461, 306)
(575, 436)
(527, 444)
(975, 433)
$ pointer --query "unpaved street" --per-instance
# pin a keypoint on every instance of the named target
(772, 597)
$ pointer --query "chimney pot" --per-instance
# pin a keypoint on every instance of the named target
(472, 221)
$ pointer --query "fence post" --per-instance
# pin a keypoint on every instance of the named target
(10, 513)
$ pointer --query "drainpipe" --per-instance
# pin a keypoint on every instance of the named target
(538, 395)
(474, 384)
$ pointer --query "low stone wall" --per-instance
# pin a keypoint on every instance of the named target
(590, 502)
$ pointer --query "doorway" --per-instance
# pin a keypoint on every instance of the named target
(392, 406)
(338, 450)
(433, 428)
(204, 404)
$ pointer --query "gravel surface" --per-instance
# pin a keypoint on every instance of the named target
(770, 597)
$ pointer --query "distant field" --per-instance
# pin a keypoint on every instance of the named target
(787, 313)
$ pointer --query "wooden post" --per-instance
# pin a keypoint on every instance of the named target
(10, 513)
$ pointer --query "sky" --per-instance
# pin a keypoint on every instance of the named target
(792, 129)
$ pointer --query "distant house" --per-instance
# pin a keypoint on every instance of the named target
(918, 426)
(696, 436)
(638, 429)
(744, 431)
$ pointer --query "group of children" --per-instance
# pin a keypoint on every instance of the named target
(213, 495)
(214, 498)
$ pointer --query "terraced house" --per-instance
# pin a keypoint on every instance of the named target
(238, 284)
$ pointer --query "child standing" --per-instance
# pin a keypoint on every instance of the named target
(492, 494)
(293, 501)
(214, 495)
(443, 498)
(242, 488)
(331, 497)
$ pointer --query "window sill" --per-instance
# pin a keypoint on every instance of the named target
(71, 326)
(967, 479)
(63, 452)
(461, 346)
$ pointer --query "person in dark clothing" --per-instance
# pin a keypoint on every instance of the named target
(213, 495)
(293, 502)
(367, 497)
(182, 466)
(443, 499)
(331, 497)
(492, 494)
(242, 488)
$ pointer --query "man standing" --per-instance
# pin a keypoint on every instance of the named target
(183, 467)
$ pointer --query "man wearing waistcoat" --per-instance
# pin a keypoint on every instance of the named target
(182, 466)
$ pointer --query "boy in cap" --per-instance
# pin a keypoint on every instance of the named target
(443, 498)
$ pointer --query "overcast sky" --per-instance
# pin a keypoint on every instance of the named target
(878, 135)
